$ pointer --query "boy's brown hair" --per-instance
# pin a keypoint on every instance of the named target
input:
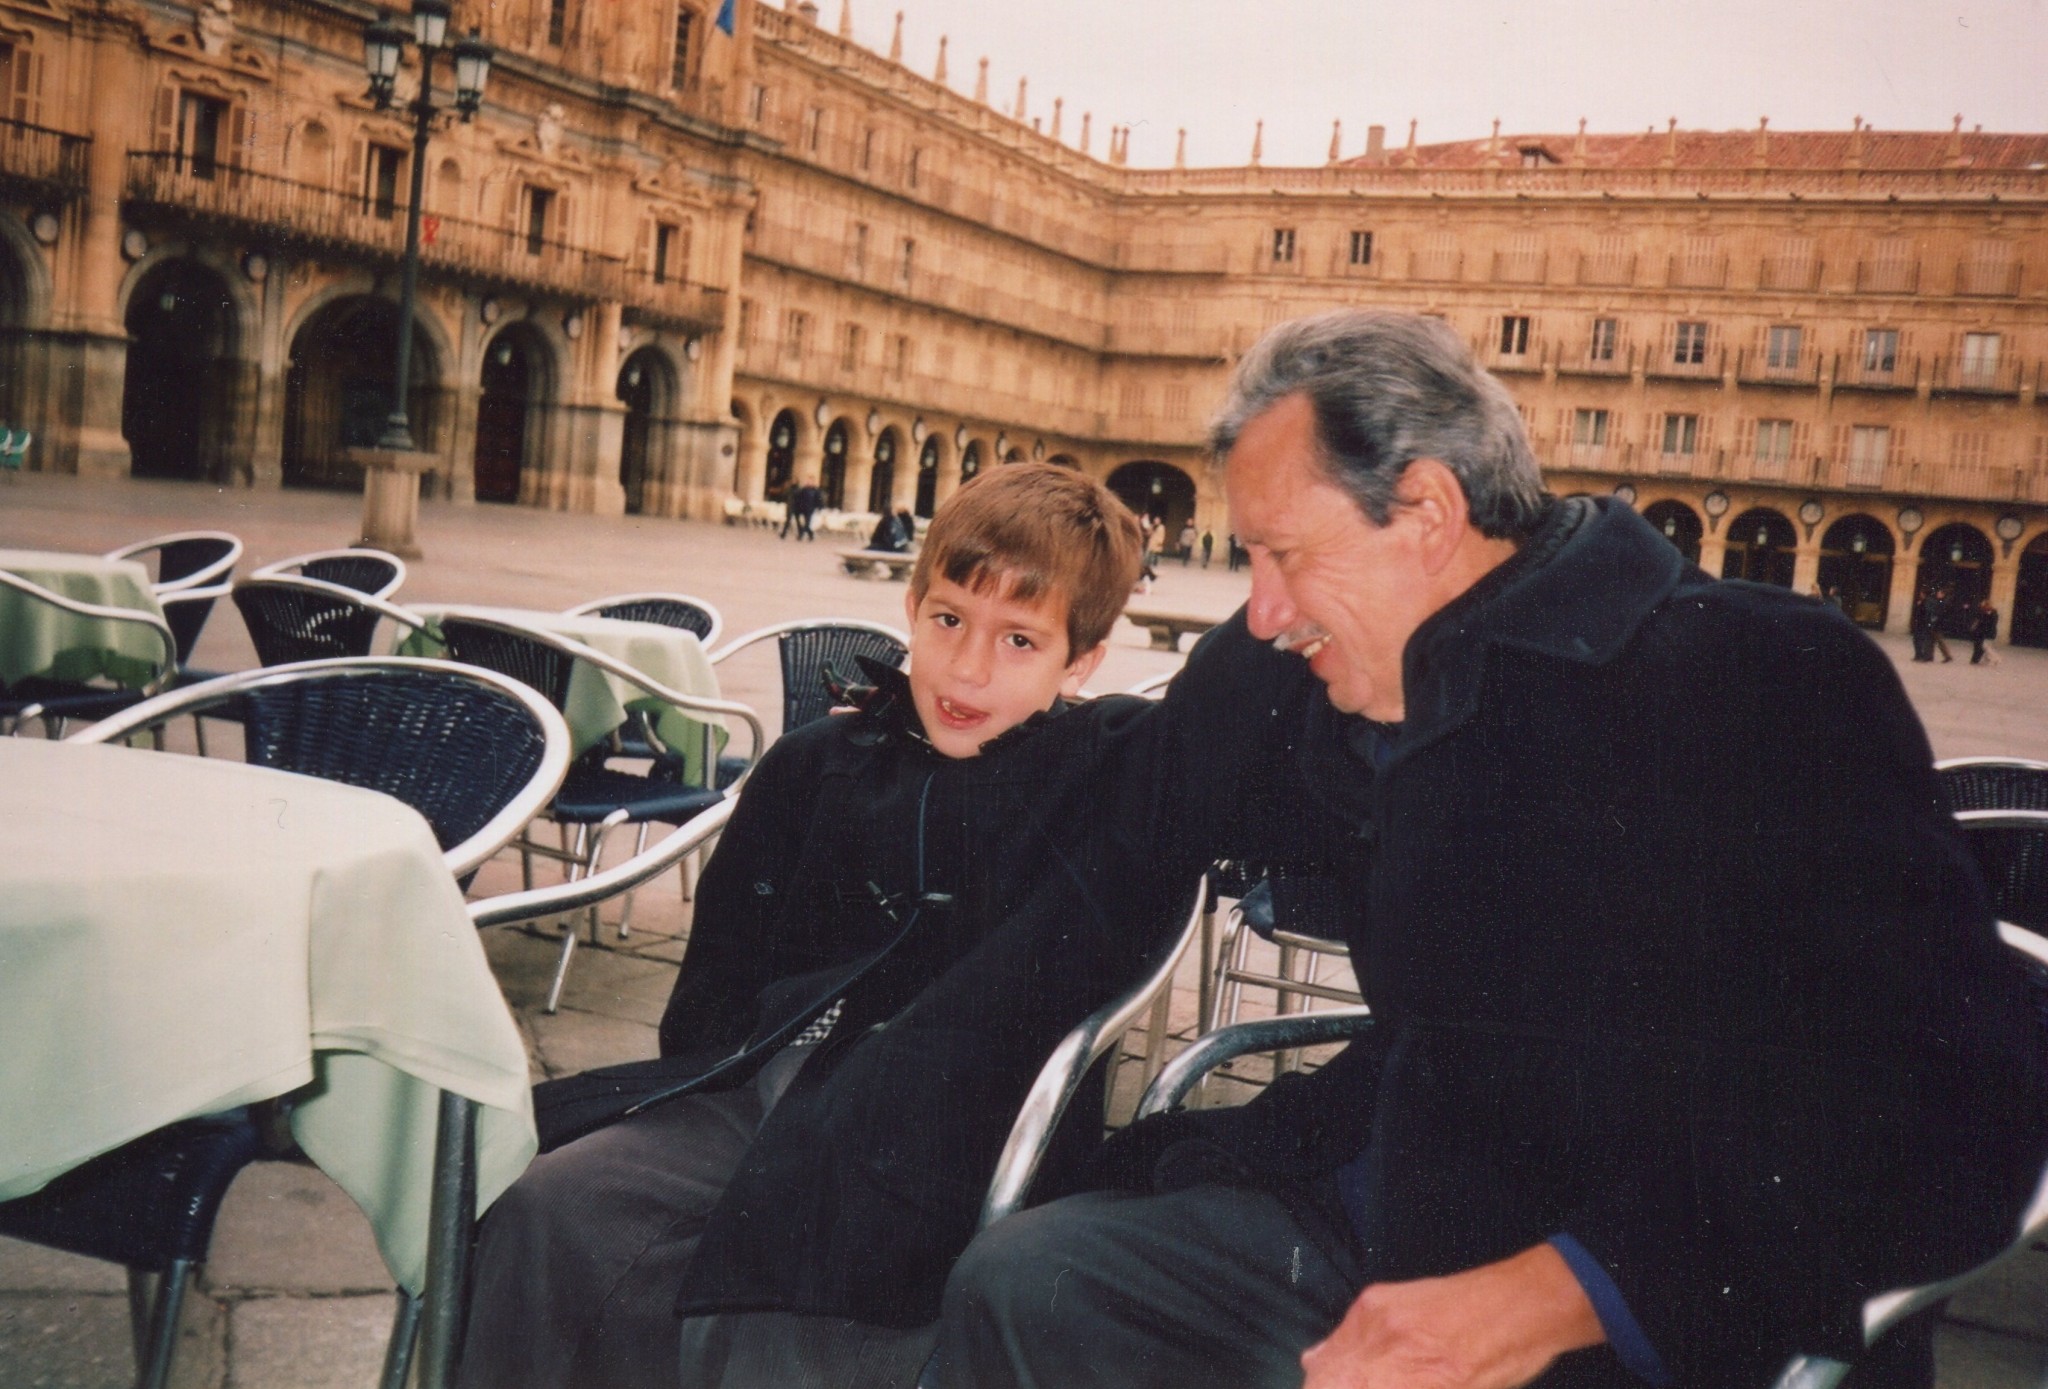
(1030, 531)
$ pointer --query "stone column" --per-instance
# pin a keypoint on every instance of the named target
(1898, 615)
(752, 474)
(1806, 565)
(949, 475)
(1713, 550)
(860, 475)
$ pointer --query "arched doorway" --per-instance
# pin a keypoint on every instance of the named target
(1955, 560)
(970, 461)
(2030, 598)
(882, 482)
(178, 385)
(646, 386)
(781, 457)
(1151, 488)
(1856, 567)
(832, 480)
(337, 390)
(1679, 524)
(514, 382)
(1760, 546)
(14, 320)
(928, 477)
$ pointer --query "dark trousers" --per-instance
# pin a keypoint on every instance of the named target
(803, 526)
(1211, 1285)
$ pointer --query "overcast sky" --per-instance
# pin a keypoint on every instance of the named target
(1218, 66)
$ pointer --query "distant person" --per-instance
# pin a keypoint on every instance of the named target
(1939, 607)
(888, 535)
(1187, 543)
(803, 505)
(907, 523)
(1208, 544)
(1983, 627)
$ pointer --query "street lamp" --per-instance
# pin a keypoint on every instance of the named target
(383, 46)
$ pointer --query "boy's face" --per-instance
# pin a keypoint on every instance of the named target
(982, 663)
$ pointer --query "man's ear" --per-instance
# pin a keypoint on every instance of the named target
(1431, 499)
(1080, 668)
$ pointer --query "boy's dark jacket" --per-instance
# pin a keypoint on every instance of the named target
(866, 1180)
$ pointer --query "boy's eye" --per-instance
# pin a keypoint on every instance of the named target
(946, 619)
(1021, 642)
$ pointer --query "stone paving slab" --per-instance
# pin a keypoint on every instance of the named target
(296, 1296)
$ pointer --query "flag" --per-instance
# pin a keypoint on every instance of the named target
(725, 20)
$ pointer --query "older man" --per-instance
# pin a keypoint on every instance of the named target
(1692, 1029)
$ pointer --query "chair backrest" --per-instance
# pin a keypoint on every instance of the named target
(2011, 849)
(476, 754)
(808, 647)
(186, 610)
(527, 659)
(297, 619)
(187, 559)
(1994, 783)
(374, 572)
(679, 610)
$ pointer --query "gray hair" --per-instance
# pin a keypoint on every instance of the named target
(1387, 389)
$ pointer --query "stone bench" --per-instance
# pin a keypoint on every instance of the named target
(1167, 628)
(861, 563)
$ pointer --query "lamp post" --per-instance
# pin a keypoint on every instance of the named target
(383, 46)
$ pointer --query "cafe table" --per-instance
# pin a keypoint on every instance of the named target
(39, 639)
(599, 702)
(180, 935)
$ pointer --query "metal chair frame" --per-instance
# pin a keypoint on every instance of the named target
(50, 709)
(296, 566)
(795, 700)
(154, 1316)
(1994, 783)
(337, 593)
(612, 606)
(587, 852)
(215, 571)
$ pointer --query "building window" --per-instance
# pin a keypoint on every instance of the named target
(558, 21)
(796, 328)
(1781, 348)
(381, 177)
(757, 104)
(1606, 332)
(1972, 450)
(1283, 245)
(199, 122)
(1980, 359)
(1881, 349)
(538, 203)
(1681, 433)
(850, 347)
(1773, 447)
(1514, 335)
(814, 128)
(867, 151)
(910, 169)
(665, 246)
(1589, 429)
(859, 252)
(909, 265)
(1361, 248)
(1870, 447)
(1689, 345)
(679, 61)
(899, 356)
(744, 330)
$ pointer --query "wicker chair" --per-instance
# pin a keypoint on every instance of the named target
(596, 797)
(295, 619)
(1994, 783)
(807, 649)
(365, 570)
(680, 610)
(477, 755)
(186, 559)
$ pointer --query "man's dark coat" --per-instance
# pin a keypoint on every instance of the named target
(865, 1181)
(1672, 947)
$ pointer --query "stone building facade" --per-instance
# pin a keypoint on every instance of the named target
(673, 267)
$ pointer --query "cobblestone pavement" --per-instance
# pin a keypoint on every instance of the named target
(295, 1295)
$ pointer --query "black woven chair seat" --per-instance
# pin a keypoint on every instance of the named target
(293, 624)
(146, 1203)
(665, 612)
(591, 792)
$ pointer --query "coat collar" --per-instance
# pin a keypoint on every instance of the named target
(1577, 590)
(887, 711)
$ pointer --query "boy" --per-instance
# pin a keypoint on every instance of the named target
(911, 905)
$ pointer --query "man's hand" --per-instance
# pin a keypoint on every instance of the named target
(1491, 1327)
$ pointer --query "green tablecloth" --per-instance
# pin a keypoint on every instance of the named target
(38, 639)
(179, 935)
(597, 702)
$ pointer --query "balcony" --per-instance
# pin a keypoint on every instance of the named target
(1887, 277)
(1499, 360)
(1511, 268)
(1979, 378)
(1756, 369)
(38, 163)
(277, 210)
(1697, 272)
(1861, 373)
(1994, 281)
(1799, 275)
(1436, 265)
(1665, 365)
(669, 302)
(1606, 270)
(1620, 361)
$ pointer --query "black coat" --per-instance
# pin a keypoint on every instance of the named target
(865, 1181)
(1672, 946)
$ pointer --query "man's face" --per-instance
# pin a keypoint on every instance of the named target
(982, 663)
(1346, 593)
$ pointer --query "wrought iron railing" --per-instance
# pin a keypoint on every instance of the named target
(42, 160)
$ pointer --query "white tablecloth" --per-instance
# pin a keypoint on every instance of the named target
(180, 935)
(39, 639)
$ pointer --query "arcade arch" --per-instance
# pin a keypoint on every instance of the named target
(177, 391)
(337, 391)
(2030, 595)
(882, 481)
(928, 476)
(647, 388)
(1955, 559)
(1152, 488)
(1679, 524)
(782, 432)
(1856, 567)
(1760, 548)
(832, 473)
(516, 384)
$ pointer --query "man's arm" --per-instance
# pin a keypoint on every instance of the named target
(1491, 1327)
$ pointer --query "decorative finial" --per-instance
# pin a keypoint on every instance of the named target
(896, 40)
(845, 19)
(1336, 141)
(981, 85)
(1057, 103)
(939, 68)
(1258, 143)
(1087, 119)
(1180, 150)
(1023, 84)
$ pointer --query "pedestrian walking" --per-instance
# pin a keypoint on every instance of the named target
(1208, 544)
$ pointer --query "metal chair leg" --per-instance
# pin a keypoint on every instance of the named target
(626, 907)
(163, 1327)
(405, 1331)
(450, 1214)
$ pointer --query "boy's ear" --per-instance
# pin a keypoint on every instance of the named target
(1080, 668)
(910, 608)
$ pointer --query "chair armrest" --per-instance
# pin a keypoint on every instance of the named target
(1180, 1075)
(165, 668)
(1063, 1073)
(559, 899)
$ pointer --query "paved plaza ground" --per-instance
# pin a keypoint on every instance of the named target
(296, 1296)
